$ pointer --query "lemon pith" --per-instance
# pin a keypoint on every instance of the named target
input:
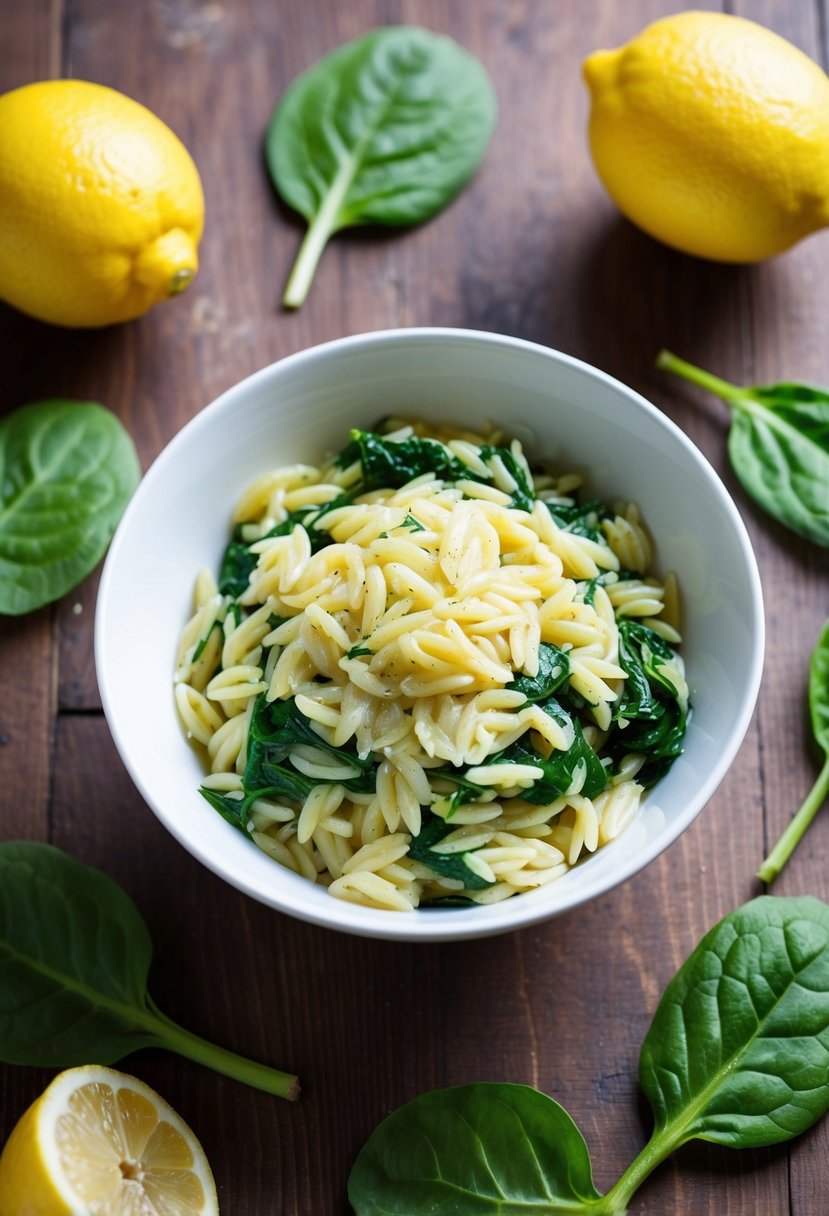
(712, 134)
(101, 1143)
(101, 206)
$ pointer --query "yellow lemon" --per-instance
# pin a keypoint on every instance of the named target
(712, 133)
(101, 206)
(99, 1141)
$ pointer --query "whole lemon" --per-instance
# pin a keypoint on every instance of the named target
(712, 133)
(101, 206)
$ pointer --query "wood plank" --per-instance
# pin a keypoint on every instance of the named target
(29, 50)
(30, 42)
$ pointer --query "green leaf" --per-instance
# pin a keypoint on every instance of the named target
(778, 446)
(819, 690)
(738, 1050)
(67, 471)
(276, 727)
(782, 468)
(656, 719)
(74, 960)
(582, 519)
(737, 1054)
(391, 463)
(447, 865)
(384, 130)
(472, 1150)
(553, 671)
(231, 807)
(814, 800)
(560, 768)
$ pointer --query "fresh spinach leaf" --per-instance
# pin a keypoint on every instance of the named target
(738, 1050)
(74, 960)
(67, 471)
(778, 446)
(384, 130)
(814, 800)
(474, 1149)
(553, 671)
(447, 865)
(737, 1054)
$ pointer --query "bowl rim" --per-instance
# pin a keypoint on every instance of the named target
(511, 914)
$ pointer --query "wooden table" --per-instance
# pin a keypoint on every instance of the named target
(534, 248)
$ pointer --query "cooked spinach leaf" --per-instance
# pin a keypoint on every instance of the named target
(202, 642)
(582, 519)
(553, 670)
(239, 561)
(523, 496)
(654, 716)
(232, 808)
(276, 727)
(778, 446)
(384, 130)
(67, 471)
(74, 960)
(279, 726)
(737, 1054)
(393, 463)
(563, 770)
(357, 652)
(814, 800)
(447, 865)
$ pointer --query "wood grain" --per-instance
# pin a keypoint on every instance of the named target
(532, 248)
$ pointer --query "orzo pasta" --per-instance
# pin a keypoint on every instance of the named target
(428, 674)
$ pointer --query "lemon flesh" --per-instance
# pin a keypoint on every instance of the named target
(101, 206)
(100, 1143)
(711, 133)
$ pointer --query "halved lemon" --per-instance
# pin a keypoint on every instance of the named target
(100, 1143)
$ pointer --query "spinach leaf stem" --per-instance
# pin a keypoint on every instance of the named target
(228, 1063)
(791, 837)
(731, 393)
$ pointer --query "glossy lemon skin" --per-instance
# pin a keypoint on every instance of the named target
(711, 133)
(101, 205)
(26, 1188)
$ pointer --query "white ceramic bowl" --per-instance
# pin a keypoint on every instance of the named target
(301, 407)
